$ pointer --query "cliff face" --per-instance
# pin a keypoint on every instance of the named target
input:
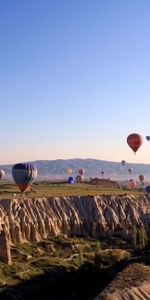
(34, 219)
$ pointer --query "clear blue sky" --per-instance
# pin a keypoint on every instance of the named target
(74, 79)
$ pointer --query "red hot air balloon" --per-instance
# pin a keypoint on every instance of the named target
(134, 141)
(132, 183)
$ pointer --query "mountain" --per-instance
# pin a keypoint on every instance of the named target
(56, 169)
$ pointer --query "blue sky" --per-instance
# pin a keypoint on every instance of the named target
(74, 79)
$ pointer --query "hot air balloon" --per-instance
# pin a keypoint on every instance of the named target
(134, 141)
(81, 172)
(102, 173)
(123, 162)
(130, 170)
(24, 174)
(132, 183)
(147, 189)
(2, 174)
(79, 178)
(69, 171)
(148, 138)
(70, 179)
(141, 178)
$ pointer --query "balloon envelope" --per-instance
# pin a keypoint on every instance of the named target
(132, 183)
(130, 170)
(148, 138)
(70, 179)
(123, 162)
(81, 172)
(2, 174)
(102, 173)
(147, 189)
(134, 141)
(24, 174)
(69, 171)
(79, 178)
(141, 178)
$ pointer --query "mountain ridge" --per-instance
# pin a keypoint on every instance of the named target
(57, 169)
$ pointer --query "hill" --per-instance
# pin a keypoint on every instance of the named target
(56, 169)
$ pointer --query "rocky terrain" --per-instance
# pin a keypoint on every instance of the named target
(34, 219)
(53, 235)
(132, 283)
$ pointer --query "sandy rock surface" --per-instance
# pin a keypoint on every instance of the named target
(35, 219)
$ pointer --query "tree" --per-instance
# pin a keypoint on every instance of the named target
(134, 236)
(97, 255)
(142, 235)
(81, 257)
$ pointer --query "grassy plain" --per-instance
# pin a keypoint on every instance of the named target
(54, 189)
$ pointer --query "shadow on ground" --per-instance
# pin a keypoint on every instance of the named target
(60, 283)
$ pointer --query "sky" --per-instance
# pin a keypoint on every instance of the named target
(74, 79)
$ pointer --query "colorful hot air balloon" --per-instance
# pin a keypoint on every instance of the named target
(24, 174)
(2, 174)
(70, 179)
(141, 178)
(132, 183)
(123, 162)
(69, 171)
(134, 141)
(81, 172)
(130, 170)
(148, 138)
(79, 178)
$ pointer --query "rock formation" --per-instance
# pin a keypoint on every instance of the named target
(5, 255)
(132, 283)
(35, 219)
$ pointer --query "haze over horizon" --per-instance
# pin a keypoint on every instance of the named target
(74, 79)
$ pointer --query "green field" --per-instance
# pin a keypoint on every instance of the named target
(54, 189)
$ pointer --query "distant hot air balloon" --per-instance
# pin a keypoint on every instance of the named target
(102, 173)
(141, 178)
(81, 172)
(79, 178)
(132, 183)
(130, 170)
(24, 174)
(69, 171)
(147, 189)
(123, 162)
(134, 141)
(70, 179)
(148, 138)
(2, 174)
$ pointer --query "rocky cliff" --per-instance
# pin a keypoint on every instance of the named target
(133, 283)
(29, 219)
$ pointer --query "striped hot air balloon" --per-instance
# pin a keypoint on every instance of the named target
(24, 174)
